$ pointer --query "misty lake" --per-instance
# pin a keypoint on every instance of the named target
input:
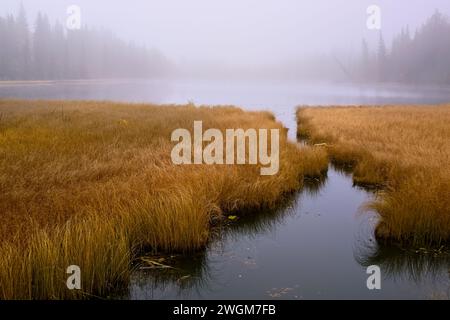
(318, 245)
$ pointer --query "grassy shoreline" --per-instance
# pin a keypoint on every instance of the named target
(92, 184)
(402, 150)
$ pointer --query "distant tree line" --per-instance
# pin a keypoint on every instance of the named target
(50, 51)
(421, 58)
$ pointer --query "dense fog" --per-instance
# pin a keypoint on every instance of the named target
(355, 41)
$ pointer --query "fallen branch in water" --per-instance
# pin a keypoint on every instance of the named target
(154, 264)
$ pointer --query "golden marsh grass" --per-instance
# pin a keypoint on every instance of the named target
(405, 151)
(92, 184)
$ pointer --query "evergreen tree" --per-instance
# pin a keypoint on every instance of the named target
(381, 59)
(365, 66)
(52, 52)
(42, 41)
(3, 75)
(23, 43)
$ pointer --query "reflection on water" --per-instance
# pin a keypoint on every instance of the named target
(419, 265)
(191, 274)
(317, 245)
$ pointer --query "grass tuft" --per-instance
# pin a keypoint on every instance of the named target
(403, 150)
(96, 186)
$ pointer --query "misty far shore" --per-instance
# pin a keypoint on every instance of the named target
(48, 51)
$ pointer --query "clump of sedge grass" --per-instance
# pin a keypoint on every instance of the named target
(97, 186)
(402, 150)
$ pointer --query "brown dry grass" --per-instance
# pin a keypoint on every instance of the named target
(404, 150)
(92, 184)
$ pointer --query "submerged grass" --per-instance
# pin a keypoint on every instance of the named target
(402, 150)
(92, 184)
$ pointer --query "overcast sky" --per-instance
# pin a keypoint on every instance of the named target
(244, 31)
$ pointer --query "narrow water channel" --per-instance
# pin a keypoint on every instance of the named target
(318, 246)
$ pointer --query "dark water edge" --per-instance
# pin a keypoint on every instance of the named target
(317, 245)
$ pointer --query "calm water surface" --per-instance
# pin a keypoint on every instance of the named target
(317, 246)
